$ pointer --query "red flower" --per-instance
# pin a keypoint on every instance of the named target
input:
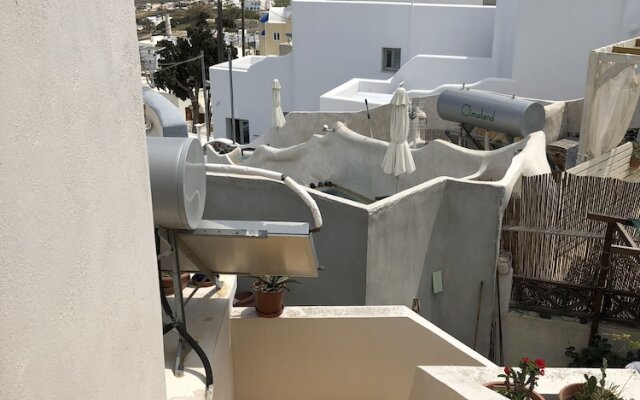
(541, 372)
(507, 371)
(525, 360)
(540, 363)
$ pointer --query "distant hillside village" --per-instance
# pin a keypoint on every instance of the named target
(168, 18)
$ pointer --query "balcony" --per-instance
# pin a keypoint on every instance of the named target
(378, 352)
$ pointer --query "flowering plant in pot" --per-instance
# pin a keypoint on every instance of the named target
(519, 383)
(269, 290)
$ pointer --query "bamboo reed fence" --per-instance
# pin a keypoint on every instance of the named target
(547, 231)
(551, 240)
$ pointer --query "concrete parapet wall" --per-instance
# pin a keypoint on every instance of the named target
(337, 353)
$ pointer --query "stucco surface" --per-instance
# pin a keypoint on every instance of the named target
(347, 353)
(353, 161)
(521, 28)
(341, 245)
(445, 218)
(78, 289)
(165, 118)
(527, 333)
(466, 383)
(330, 49)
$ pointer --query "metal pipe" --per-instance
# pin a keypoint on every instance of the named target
(242, 6)
(276, 176)
(233, 118)
(220, 32)
(206, 95)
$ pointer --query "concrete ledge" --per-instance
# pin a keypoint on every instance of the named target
(465, 383)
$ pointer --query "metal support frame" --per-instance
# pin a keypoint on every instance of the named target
(614, 226)
(178, 317)
(183, 347)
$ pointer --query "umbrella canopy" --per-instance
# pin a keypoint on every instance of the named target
(398, 159)
(277, 117)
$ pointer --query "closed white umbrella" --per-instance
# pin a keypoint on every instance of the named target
(398, 159)
(278, 116)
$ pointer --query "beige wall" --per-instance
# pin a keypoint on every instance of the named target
(337, 353)
(526, 334)
(78, 288)
(270, 46)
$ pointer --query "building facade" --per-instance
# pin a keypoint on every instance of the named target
(521, 46)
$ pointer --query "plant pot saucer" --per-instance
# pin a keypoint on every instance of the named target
(201, 280)
(273, 315)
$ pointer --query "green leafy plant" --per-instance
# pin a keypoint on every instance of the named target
(599, 348)
(272, 283)
(592, 391)
(520, 383)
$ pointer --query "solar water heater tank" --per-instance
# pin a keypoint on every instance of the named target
(178, 181)
(492, 111)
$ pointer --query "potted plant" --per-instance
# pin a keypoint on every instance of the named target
(590, 390)
(269, 290)
(519, 384)
(167, 282)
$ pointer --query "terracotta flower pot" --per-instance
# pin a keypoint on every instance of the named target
(496, 384)
(569, 391)
(167, 283)
(269, 305)
(244, 299)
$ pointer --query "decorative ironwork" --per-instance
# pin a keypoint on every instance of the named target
(550, 297)
(622, 307)
(558, 298)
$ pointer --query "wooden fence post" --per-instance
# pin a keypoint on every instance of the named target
(603, 273)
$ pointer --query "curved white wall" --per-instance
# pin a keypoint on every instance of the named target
(78, 288)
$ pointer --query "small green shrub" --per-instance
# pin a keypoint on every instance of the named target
(599, 348)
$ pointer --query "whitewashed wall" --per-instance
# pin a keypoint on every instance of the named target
(79, 300)
(252, 81)
(329, 49)
(540, 50)
(554, 39)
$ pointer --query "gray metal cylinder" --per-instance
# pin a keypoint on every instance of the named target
(178, 181)
(492, 111)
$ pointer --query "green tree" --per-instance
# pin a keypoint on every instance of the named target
(185, 80)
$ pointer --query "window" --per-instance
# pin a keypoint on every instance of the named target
(241, 131)
(390, 59)
(276, 35)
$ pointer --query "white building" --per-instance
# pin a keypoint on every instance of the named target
(253, 5)
(533, 44)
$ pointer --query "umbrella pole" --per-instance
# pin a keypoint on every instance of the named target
(397, 183)
(277, 136)
(366, 103)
